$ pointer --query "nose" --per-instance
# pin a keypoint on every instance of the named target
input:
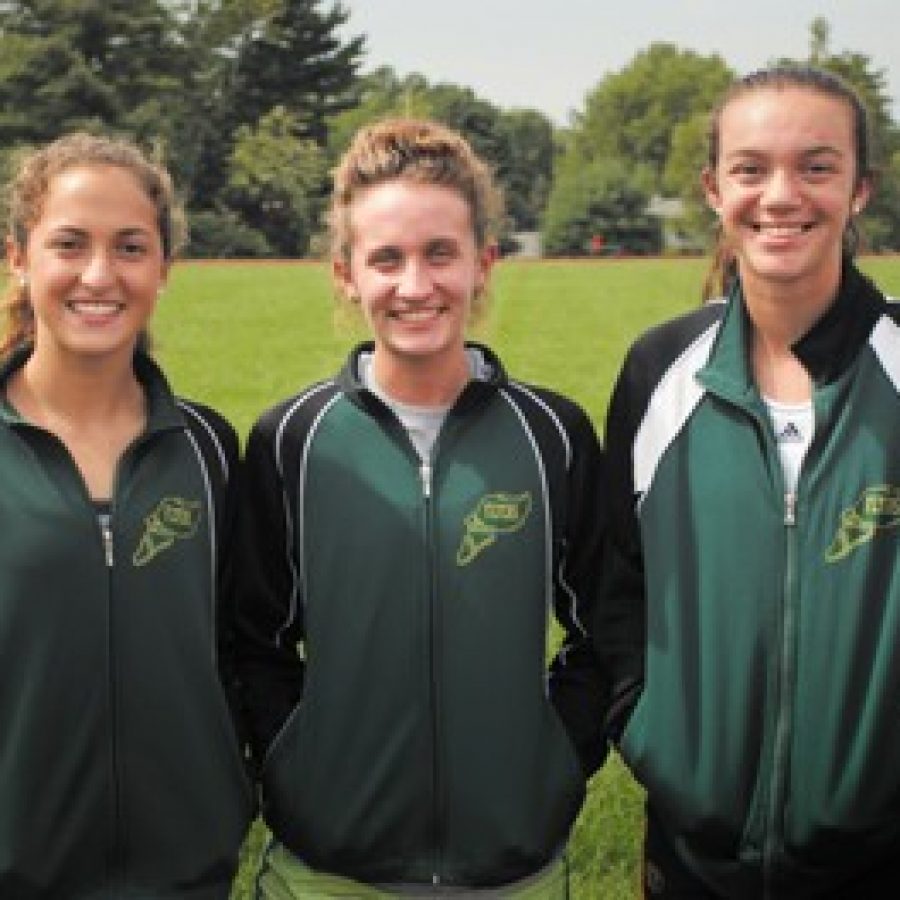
(415, 280)
(98, 271)
(781, 188)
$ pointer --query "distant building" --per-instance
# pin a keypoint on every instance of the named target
(670, 212)
(527, 245)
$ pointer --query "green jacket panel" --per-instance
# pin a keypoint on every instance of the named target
(421, 743)
(761, 729)
(120, 774)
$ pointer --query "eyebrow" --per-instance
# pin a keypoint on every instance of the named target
(129, 231)
(807, 151)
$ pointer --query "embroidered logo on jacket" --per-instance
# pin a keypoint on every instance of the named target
(877, 509)
(495, 514)
(174, 517)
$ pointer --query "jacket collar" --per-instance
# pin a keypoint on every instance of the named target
(162, 408)
(826, 350)
(491, 377)
(829, 347)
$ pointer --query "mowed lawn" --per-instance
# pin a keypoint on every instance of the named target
(242, 336)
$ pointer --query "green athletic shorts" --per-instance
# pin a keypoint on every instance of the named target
(283, 876)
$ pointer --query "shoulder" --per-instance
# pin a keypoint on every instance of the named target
(298, 410)
(286, 425)
(665, 342)
(659, 348)
(553, 418)
(542, 401)
(892, 309)
(212, 432)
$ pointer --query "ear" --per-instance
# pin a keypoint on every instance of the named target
(15, 258)
(487, 256)
(710, 184)
(340, 271)
(164, 273)
(861, 195)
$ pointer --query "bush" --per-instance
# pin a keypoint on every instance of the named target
(220, 234)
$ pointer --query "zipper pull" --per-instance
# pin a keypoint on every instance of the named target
(107, 538)
(790, 508)
(425, 474)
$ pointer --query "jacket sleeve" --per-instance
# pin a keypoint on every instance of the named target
(577, 688)
(217, 442)
(269, 627)
(619, 624)
(225, 587)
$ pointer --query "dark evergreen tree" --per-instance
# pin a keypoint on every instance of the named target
(70, 63)
(297, 61)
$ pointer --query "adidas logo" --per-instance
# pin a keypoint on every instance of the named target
(790, 434)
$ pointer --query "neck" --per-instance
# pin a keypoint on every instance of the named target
(421, 382)
(781, 313)
(81, 389)
(784, 312)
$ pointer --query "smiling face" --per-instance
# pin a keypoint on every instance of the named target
(414, 267)
(93, 262)
(784, 188)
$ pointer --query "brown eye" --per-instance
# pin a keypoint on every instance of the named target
(133, 248)
(441, 251)
(385, 259)
(747, 170)
(820, 168)
(67, 243)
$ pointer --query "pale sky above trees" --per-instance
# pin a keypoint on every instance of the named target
(549, 55)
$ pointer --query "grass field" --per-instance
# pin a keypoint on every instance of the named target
(241, 336)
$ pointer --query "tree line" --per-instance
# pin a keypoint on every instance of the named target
(250, 103)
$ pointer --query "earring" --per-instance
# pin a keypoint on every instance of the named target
(23, 280)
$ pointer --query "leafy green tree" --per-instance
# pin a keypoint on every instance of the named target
(277, 181)
(530, 149)
(681, 178)
(632, 114)
(600, 199)
(223, 234)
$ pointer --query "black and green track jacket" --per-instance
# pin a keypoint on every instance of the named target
(758, 631)
(395, 620)
(120, 772)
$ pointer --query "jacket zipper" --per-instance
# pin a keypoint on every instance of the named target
(426, 472)
(107, 544)
(117, 849)
(106, 538)
(786, 672)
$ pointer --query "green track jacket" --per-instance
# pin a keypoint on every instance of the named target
(120, 773)
(395, 623)
(759, 632)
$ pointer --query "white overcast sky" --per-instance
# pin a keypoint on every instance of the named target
(547, 54)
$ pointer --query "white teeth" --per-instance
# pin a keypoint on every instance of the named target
(95, 309)
(415, 315)
(783, 230)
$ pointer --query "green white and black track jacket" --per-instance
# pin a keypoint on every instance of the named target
(395, 623)
(120, 772)
(767, 722)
